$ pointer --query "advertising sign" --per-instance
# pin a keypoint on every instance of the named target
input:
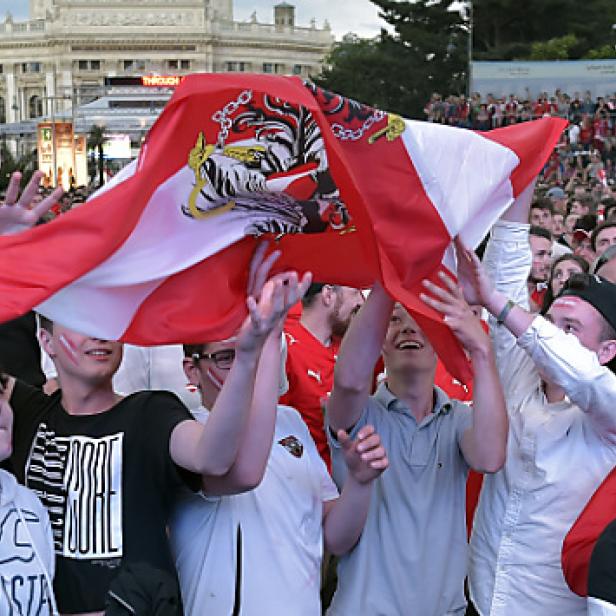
(55, 145)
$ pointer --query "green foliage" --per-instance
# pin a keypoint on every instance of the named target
(511, 29)
(425, 51)
(601, 53)
(425, 48)
(554, 49)
(25, 164)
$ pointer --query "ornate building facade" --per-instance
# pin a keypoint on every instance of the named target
(68, 50)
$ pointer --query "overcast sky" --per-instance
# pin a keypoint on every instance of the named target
(359, 16)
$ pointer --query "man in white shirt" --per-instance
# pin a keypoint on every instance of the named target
(561, 399)
(254, 546)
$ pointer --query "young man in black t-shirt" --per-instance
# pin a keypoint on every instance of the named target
(107, 468)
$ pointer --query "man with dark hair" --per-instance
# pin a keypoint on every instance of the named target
(581, 206)
(312, 343)
(542, 215)
(582, 231)
(603, 236)
(541, 248)
(609, 209)
(108, 468)
(541, 212)
(282, 518)
(561, 397)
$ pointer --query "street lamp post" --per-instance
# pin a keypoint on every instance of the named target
(470, 48)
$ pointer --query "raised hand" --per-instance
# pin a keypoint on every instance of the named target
(268, 302)
(365, 457)
(15, 213)
(457, 313)
(472, 277)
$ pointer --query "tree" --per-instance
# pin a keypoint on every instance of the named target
(554, 49)
(25, 164)
(96, 141)
(425, 51)
(507, 29)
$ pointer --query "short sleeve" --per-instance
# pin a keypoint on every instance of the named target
(327, 486)
(463, 415)
(163, 412)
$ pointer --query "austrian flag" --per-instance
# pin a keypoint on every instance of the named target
(349, 192)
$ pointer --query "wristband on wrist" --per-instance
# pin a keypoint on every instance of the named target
(500, 319)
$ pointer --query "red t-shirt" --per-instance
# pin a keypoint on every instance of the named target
(310, 370)
(537, 297)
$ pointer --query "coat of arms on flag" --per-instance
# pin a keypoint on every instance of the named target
(349, 192)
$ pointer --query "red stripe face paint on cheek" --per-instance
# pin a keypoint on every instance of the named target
(70, 348)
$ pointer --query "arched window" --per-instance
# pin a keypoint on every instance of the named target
(2, 111)
(35, 107)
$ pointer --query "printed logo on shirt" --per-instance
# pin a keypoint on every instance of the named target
(293, 445)
(290, 339)
(79, 479)
(25, 588)
(315, 374)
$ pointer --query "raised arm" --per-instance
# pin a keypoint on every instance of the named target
(256, 441)
(559, 356)
(359, 352)
(483, 444)
(18, 214)
(507, 263)
(211, 450)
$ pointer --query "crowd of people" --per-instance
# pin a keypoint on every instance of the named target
(591, 133)
(318, 460)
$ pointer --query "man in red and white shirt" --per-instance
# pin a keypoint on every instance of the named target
(312, 346)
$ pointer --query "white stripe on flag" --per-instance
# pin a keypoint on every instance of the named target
(164, 242)
(465, 176)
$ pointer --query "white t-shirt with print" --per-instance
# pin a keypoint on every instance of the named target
(281, 534)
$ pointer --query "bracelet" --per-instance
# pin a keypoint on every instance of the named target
(500, 319)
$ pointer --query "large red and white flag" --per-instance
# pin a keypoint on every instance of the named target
(349, 192)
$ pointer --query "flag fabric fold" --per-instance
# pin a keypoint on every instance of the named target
(347, 191)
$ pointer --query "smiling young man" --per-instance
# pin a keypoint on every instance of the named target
(413, 551)
(108, 468)
(561, 400)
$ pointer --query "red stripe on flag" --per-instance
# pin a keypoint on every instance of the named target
(533, 142)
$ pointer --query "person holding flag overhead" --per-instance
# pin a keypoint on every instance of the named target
(108, 468)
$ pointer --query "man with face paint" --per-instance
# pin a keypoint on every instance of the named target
(259, 552)
(561, 400)
(108, 468)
